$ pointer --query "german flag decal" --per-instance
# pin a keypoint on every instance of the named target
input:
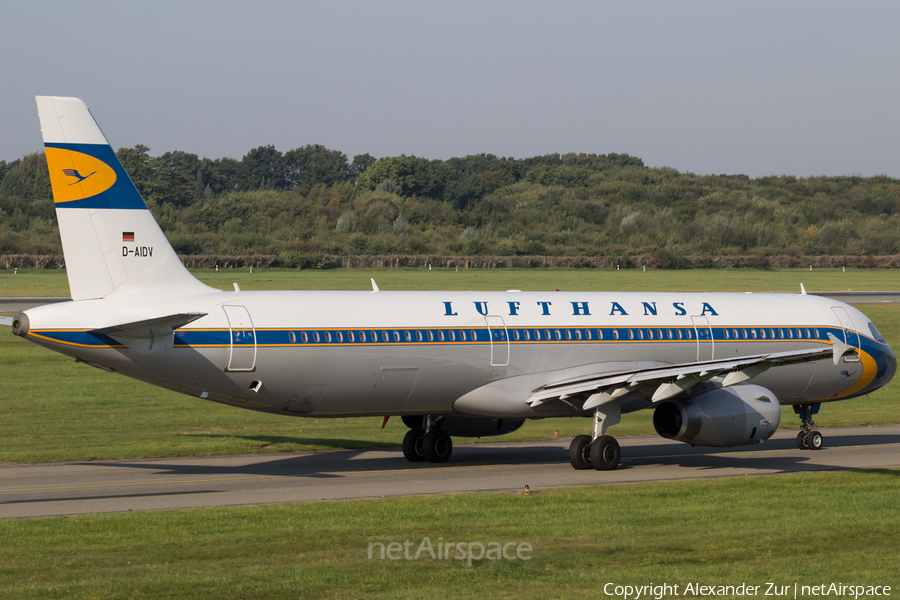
(127, 236)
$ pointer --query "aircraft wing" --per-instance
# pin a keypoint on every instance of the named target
(6, 321)
(664, 383)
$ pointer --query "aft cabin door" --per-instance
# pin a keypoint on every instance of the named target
(703, 331)
(851, 337)
(243, 339)
(499, 340)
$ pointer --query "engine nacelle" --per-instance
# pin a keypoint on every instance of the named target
(734, 416)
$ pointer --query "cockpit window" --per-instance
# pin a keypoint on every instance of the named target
(875, 332)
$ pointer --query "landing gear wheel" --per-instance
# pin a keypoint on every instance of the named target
(437, 446)
(802, 441)
(815, 441)
(412, 421)
(580, 452)
(412, 445)
(605, 453)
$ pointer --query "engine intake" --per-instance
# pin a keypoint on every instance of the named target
(734, 416)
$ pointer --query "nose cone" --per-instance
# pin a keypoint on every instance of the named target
(885, 366)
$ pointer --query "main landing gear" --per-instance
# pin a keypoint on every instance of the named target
(598, 451)
(426, 441)
(808, 439)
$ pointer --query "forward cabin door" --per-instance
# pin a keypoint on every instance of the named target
(851, 337)
(499, 340)
(703, 331)
(243, 339)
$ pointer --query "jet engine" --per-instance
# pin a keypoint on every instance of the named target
(734, 416)
(469, 426)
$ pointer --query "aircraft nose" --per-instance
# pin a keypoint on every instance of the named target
(886, 363)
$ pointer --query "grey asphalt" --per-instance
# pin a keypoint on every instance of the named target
(14, 305)
(169, 483)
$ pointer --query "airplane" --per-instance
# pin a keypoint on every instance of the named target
(715, 368)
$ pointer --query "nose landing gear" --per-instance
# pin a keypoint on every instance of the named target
(808, 439)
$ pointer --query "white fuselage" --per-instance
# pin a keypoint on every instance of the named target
(329, 354)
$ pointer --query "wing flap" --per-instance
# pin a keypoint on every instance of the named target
(664, 383)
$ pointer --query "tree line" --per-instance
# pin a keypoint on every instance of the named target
(314, 200)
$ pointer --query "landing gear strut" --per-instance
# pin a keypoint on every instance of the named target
(808, 439)
(598, 451)
(427, 442)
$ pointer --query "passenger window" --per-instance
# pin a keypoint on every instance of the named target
(577, 334)
(292, 337)
(316, 337)
(385, 336)
(430, 335)
(630, 334)
(558, 334)
(462, 336)
(762, 333)
(670, 334)
(515, 333)
(452, 335)
(350, 337)
(725, 333)
(615, 334)
(679, 334)
(474, 335)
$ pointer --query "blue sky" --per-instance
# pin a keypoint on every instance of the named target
(761, 88)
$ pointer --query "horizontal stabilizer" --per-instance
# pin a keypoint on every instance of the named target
(149, 335)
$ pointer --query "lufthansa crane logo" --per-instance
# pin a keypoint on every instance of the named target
(75, 173)
(66, 165)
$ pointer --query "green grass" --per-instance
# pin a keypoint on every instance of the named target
(52, 409)
(54, 283)
(807, 528)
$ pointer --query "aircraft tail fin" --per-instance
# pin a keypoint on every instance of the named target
(111, 242)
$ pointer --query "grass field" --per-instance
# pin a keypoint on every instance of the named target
(807, 529)
(54, 284)
(52, 409)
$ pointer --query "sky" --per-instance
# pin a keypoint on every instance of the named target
(758, 87)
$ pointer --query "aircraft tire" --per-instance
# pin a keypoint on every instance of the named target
(605, 453)
(412, 421)
(802, 442)
(580, 452)
(815, 441)
(437, 446)
(413, 445)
